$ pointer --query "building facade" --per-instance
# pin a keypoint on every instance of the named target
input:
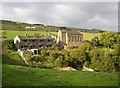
(32, 42)
(70, 38)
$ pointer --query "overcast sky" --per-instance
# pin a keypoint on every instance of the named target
(94, 15)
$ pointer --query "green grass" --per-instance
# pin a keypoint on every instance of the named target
(14, 75)
(13, 33)
(89, 36)
(12, 57)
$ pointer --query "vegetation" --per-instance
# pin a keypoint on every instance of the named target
(91, 54)
(11, 25)
(99, 51)
(13, 33)
(8, 44)
(12, 58)
(14, 75)
(3, 34)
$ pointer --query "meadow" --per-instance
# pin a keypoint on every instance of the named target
(16, 73)
(13, 33)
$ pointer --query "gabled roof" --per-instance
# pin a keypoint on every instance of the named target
(35, 37)
(71, 32)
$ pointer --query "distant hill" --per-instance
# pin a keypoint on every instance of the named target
(11, 25)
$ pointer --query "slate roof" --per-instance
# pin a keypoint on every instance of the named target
(35, 37)
(71, 32)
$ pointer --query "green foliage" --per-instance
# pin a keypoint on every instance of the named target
(3, 34)
(86, 47)
(38, 58)
(101, 60)
(78, 56)
(53, 55)
(95, 41)
(59, 61)
(109, 39)
(44, 52)
(8, 44)
(13, 75)
(12, 58)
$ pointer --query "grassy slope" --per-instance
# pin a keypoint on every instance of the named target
(16, 74)
(24, 76)
(12, 57)
(89, 36)
(13, 33)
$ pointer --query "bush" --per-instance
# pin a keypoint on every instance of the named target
(44, 53)
(102, 60)
(59, 61)
(53, 55)
(8, 44)
(109, 39)
(38, 58)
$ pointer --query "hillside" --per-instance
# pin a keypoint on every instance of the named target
(11, 25)
(14, 75)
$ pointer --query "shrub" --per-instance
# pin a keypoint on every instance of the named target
(102, 60)
(109, 39)
(44, 52)
(53, 55)
(8, 44)
(38, 58)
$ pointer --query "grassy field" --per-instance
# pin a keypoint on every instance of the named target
(13, 33)
(12, 57)
(14, 75)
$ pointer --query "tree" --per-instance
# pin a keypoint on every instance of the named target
(53, 54)
(8, 44)
(78, 57)
(102, 60)
(59, 61)
(109, 39)
(4, 34)
(86, 47)
(95, 41)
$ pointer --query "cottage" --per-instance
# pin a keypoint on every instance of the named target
(70, 38)
(32, 42)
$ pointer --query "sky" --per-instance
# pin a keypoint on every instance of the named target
(91, 15)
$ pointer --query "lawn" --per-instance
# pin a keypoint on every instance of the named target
(12, 57)
(14, 75)
(13, 33)
(89, 36)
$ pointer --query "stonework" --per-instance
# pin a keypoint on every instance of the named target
(32, 42)
(70, 38)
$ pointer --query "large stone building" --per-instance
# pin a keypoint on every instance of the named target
(32, 42)
(70, 38)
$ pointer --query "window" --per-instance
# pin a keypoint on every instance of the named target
(33, 40)
(75, 38)
(41, 40)
(72, 38)
(78, 39)
(25, 40)
(49, 40)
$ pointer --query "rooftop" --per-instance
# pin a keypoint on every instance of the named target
(71, 32)
(35, 37)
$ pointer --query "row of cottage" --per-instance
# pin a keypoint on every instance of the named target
(64, 38)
